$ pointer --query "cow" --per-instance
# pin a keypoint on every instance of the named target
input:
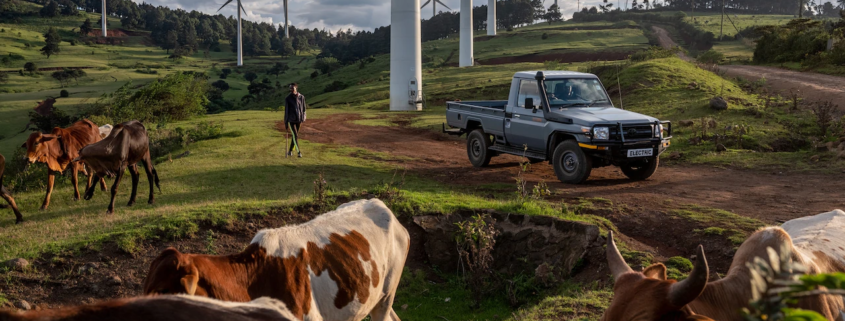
(817, 242)
(126, 146)
(105, 130)
(161, 308)
(7, 195)
(58, 149)
(342, 265)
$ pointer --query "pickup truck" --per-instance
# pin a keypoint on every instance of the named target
(565, 118)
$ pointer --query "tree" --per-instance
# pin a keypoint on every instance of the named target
(30, 67)
(277, 69)
(4, 77)
(250, 76)
(62, 76)
(50, 10)
(300, 44)
(86, 27)
(171, 40)
(221, 84)
(286, 47)
(553, 14)
(52, 39)
(69, 8)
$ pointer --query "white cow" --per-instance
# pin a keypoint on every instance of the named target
(342, 265)
(105, 130)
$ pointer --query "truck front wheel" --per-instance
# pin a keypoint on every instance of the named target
(641, 170)
(571, 165)
(477, 148)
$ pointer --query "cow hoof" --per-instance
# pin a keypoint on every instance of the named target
(110, 212)
(43, 208)
(151, 202)
(130, 204)
(18, 221)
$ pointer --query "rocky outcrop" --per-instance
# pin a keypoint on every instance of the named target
(523, 244)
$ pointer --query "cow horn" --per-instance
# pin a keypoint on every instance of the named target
(615, 260)
(684, 292)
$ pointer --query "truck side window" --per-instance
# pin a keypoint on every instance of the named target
(528, 89)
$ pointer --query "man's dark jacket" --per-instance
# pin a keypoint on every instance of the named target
(295, 108)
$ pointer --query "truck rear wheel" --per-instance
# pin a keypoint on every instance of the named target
(571, 164)
(641, 170)
(477, 148)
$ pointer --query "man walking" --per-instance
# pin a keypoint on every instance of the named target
(294, 116)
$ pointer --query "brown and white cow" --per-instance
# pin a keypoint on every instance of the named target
(161, 308)
(817, 242)
(126, 146)
(6, 195)
(342, 265)
(58, 149)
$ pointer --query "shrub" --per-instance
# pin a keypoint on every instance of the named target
(653, 52)
(221, 84)
(64, 93)
(327, 65)
(165, 141)
(175, 97)
(795, 41)
(30, 67)
(335, 86)
(711, 57)
(315, 74)
(250, 76)
(4, 77)
(544, 36)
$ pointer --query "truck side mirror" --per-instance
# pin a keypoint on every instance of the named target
(529, 103)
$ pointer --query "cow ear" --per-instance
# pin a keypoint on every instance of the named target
(656, 271)
(23, 145)
(47, 138)
(191, 280)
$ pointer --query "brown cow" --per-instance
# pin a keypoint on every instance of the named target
(126, 145)
(816, 242)
(342, 265)
(58, 149)
(161, 308)
(6, 195)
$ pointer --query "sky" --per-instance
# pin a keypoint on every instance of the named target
(331, 14)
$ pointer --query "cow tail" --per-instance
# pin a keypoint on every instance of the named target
(155, 175)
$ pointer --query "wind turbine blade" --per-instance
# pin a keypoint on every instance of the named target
(443, 4)
(426, 3)
(241, 6)
(225, 4)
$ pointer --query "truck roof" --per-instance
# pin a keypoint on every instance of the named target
(554, 74)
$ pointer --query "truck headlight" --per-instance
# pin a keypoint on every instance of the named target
(659, 132)
(601, 133)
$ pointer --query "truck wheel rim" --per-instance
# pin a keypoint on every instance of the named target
(476, 148)
(570, 162)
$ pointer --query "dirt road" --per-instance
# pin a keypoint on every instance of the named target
(770, 197)
(812, 86)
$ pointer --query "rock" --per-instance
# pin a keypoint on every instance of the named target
(822, 148)
(712, 123)
(695, 141)
(692, 85)
(718, 103)
(842, 155)
(18, 264)
(814, 158)
(88, 268)
(115, 280)
(676, 155)
(841, 147)
(23, 305)
(831, 146)
(721, 148)
(686, 123)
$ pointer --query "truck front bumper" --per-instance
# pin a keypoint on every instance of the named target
(618, 151)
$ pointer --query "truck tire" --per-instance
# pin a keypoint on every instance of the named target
(477, 148)
(641, 170)
(571, 164)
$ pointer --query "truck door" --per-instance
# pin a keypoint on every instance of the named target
(527, 125)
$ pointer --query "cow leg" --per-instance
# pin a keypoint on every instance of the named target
(383, 311)
(102, 183)
(114, 187)
(8, 197)
(133, 170)
(151, 176)
(90, 177)
(51, 180)
(74, 179)
(89, 192)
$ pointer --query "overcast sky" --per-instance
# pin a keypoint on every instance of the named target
(331, 14)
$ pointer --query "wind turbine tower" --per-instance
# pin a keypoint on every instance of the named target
(287, 35)
(466, 34)
(405, 55)
(105, 22)
(491, 17)
(239, 9)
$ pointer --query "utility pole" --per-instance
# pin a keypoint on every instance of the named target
(800, 9)
(722, 25)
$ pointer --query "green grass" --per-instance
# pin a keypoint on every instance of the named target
(711, 21)
(737, 51)
(571, 303)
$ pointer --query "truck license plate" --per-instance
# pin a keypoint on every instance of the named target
(640, 152)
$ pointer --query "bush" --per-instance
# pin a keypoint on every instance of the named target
(795, 41)
(4, 77)
(327, 65)
(315, 74)
(64, 93)
(711, 57)
(175, 97)
(165, 141)
(544, 36)
(221, 84)
(335, 86)
(250, 76)
(653, 52)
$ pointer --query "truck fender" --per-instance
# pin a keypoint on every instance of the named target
(473, 124)
(555, 139)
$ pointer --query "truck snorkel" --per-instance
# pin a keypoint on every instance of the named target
(544, 101)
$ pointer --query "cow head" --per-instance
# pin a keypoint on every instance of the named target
(171, 273)
(648, 295)
(38, 146)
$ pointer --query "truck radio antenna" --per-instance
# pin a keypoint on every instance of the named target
(619, 86)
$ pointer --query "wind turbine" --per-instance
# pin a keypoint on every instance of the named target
(287, 35)
(405, 56)
(465, 46)
(240, 34)
(433, 6)
(105, 22)
(491, 17)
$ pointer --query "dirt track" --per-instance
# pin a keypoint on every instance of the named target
(812, 86)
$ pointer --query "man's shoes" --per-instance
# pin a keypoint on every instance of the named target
(300, 154)
(289, 154)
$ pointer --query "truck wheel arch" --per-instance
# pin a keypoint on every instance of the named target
(555, 139)
(473, 124)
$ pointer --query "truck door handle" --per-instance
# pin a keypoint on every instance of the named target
(516, 116)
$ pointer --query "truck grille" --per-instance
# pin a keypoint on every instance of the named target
(633, 132)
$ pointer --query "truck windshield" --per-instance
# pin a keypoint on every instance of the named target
(576, 92)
